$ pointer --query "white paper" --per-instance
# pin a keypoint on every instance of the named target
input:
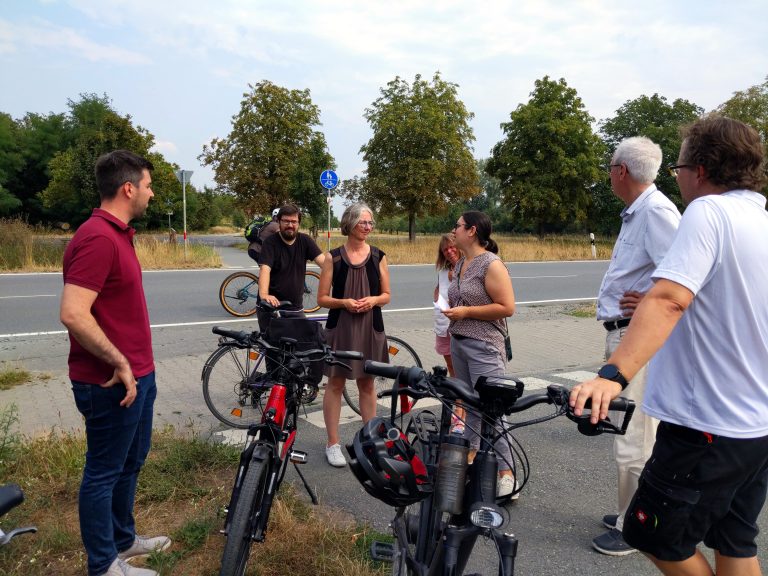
(442, 303)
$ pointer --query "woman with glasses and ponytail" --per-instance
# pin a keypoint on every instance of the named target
(480, 298)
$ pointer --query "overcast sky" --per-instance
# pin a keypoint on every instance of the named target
(180, 68)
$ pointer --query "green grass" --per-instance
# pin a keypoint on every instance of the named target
(11, 376)
(582, 310)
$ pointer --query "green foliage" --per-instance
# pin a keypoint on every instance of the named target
(11, 376)
(269, 149)
(97, 129)
(9, 439)
(548, 160)
(419, 157)
(305, 180)
(656, 119)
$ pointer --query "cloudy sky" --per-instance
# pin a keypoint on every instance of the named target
(180, 68)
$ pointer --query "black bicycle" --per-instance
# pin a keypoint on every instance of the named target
(442, 503)
(270, 446)
(11, 496)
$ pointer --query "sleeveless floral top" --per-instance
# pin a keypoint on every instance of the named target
(469, 290)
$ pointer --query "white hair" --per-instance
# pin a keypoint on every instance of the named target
(642, 157)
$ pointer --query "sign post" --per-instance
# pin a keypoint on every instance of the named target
(329, 180)
(183, 176)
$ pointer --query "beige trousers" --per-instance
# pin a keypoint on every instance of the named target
(632, 450)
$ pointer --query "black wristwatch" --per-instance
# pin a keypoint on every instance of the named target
(611, 372)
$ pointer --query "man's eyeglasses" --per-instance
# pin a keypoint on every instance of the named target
(366, 223)
(674, 169)
(289, 222)
(610, 166)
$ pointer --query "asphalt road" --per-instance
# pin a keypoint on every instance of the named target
(29, 303)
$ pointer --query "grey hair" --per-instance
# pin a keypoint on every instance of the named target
(642, 157)
(352, 216)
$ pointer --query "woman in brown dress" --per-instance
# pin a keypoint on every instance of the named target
(354, 285)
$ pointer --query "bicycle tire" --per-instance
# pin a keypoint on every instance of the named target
(232, 381)
(247, 508)
(311, 285)
(238, 295)
(400, 354)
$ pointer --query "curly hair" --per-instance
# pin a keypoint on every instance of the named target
(729, 150)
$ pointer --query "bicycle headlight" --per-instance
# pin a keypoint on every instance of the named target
(486, 515)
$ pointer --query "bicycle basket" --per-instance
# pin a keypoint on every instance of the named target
(387, 466)
(309, 335)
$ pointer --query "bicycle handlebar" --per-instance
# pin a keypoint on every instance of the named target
(417, 383)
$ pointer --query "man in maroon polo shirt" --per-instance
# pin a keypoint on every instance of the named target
(111, 365)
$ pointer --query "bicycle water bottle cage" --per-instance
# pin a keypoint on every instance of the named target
(498, 394)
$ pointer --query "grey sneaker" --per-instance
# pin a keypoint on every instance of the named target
(121, 568)
(612, 543)
(335, 457)
(609, 520)
(505, 486)
(143, 546)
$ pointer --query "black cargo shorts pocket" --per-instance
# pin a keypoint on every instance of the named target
(658, 514)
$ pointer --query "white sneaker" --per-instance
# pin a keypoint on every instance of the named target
(121, 568)
(143, 546)
(335, 457)
(505, 486)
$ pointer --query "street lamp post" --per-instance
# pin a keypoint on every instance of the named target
(183, 176)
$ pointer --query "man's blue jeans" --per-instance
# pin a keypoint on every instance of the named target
(118, 443)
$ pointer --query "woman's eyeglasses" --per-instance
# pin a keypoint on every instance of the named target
(366, 223)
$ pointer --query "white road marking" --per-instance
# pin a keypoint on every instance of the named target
(578, 376)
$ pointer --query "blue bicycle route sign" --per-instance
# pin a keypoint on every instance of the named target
(329, 179)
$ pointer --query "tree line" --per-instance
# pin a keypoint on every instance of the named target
(546, 175)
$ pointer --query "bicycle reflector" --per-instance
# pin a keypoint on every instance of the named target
(486, 515)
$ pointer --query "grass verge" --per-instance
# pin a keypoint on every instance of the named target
(582, 310)
(184, 486)
(11, 376)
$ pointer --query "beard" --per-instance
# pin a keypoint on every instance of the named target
(288, 233)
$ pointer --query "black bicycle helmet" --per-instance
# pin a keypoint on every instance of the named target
(387, 465)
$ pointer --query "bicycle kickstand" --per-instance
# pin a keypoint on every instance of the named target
(306, 484)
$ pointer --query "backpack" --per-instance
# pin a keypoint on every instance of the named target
(253, 229)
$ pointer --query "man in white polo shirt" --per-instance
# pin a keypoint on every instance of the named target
(649, 223)
(707, 316)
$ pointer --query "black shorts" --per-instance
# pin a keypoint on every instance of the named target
(697, 487)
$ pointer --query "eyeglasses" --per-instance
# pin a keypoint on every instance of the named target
(460, 225)
(613, 166)
(366, 223)
(674, 169)
(289, 222)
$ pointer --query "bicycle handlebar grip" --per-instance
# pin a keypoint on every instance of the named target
(238, 335)
(348, 355)
(408, 376)
(620, 404)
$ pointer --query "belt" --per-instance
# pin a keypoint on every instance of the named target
(612, 325)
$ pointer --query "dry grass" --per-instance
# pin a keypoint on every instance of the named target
(12, 375)
(511, 248)
(156, 254)
(184, 485)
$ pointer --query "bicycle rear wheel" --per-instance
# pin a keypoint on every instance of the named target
(235, 387)
(400, 354)
(239, 292)
(246, 514)
(311, 284)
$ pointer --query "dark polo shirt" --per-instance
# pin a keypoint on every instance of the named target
(101, 257)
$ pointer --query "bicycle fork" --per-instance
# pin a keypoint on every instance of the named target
(463, 537)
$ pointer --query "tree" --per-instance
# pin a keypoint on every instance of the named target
(656, 119)
(419, 157)
(258, 159)
(11, 161)
(97, 129)
(306, 189)
(548, 160)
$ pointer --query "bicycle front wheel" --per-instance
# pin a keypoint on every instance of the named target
(246, 514)
(400, 354)
(239, 292)
(235, 387)
(311, 285)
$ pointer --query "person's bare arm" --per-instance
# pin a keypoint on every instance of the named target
(76, 315)
(652, 323)
(320, 259)
(265, 273)
(499, 288)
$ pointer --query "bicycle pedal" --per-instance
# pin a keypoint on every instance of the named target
(382, 551)
(298, 457)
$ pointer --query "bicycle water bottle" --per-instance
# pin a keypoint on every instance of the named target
(482, 477)
(451, 474)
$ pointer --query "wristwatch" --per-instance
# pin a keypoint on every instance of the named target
(611, 372)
